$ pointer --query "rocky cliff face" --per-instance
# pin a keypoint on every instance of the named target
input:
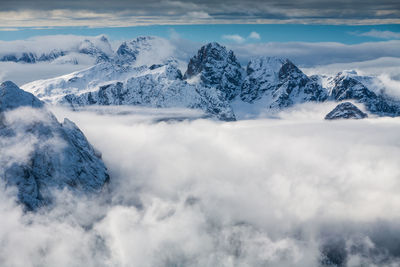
(345, 110)
(216, 67)
(40, 155)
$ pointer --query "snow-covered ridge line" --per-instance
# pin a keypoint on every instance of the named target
(214, 81)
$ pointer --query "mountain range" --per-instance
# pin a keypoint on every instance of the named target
(52, 155)
(213, 81)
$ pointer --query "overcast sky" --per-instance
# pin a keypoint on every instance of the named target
(26, 13)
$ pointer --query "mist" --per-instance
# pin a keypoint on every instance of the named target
(291, 191)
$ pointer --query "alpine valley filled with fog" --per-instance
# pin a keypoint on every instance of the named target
(156, 151)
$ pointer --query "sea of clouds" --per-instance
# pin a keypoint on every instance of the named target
(291, 191)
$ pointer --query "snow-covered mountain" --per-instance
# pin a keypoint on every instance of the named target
(348, 85)
(159, 86)
(141, 72)
(280, 82)
(113, 84)
(39, 154)
(60, 49)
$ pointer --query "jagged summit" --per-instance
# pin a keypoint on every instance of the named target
(280, 82)
(217, 67)
(11, 97)
(346, 110)
(51, 155)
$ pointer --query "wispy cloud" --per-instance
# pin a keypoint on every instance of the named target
(9, 29)
(240, 39)
(312, 54)
(234, 37)
(254, 35)
(380, 34)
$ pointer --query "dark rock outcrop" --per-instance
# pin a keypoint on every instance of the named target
(345, 110)
(217, 67)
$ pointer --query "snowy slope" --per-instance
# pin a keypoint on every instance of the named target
(159, 86)
(119, 82)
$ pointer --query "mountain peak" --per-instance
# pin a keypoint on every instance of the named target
(12, 97)
(217, 68)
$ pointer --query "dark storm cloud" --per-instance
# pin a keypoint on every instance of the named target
(196, 11)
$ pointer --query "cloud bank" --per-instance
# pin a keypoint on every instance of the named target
(311, 54)
(292, 192)
(127, 13)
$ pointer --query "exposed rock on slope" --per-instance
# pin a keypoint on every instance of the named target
(38, 154)
(345, 110)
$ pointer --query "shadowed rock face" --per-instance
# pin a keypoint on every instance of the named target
(12, 97)
(345, 111)
(51, 155)
(217, 67)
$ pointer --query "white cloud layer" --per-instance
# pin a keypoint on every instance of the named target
(207, 193)
(312, 54)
